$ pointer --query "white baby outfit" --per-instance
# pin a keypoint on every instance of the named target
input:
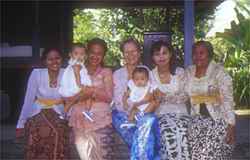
(138, 93)
(68, 85)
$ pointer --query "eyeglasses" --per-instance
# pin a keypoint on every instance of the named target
(130, 52)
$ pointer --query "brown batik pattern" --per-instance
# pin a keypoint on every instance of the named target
(47, 137)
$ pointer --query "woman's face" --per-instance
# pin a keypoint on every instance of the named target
(162, 57)
(201, 56)
(96, 54)
(53, 60)
(131, 54)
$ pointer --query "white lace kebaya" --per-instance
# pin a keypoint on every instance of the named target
(68, 85)
(175, 99)
(215, 80)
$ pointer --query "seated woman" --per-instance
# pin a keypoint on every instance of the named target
(142, 138)
(46, 131)
(172, 112)
(212, 130)
(92, 132)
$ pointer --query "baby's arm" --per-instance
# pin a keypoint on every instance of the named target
(77, 69)
(69, 102)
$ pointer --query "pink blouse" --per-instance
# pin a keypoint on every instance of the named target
(102, 79)
(100, 108)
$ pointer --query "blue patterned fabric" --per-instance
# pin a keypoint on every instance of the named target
(143, 139)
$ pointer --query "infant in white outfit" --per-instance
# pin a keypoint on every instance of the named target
(72, 81)
(139, 94)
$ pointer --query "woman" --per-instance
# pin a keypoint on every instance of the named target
(211, 132)
(92, 138)
(172, 112)
(42, 113)
(142, 139)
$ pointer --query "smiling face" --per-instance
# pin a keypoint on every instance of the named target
(131, 54)
(200, 56)
(96, 55)
(78, 53)
(162, 57)
(140, 79)
(53, 61)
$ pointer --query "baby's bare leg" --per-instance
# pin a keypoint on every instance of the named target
(131, 116)
(89, 104)
(68, 105)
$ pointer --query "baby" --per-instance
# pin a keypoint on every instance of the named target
(73, 81)
(138, 95)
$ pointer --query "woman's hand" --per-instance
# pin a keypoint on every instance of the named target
(84, 94)
(230, 137)
(158, 95)
(153, 105)
(132, 114)
(87, 91)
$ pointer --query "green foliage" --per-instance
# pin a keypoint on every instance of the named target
(116, 24)
(202, 25)
(234, 46)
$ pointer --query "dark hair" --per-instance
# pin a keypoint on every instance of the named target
(130, 40)
(206, 45)
(76, 45)
(46, 51)
(156, 46)
(140, 69)
(97, 41)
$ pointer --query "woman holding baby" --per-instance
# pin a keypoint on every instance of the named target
(92, 136)
(142, 138)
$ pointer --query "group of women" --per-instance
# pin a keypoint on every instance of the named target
(191, 117)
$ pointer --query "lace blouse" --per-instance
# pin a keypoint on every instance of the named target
(175, 99)
(215, 80)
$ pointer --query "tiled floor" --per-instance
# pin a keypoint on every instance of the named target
(13, 150)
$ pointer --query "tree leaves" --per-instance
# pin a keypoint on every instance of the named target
(237, 53)
(116, 24)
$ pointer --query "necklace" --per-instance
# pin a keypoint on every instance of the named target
(164, 77)
(53, 83)
(53, 79)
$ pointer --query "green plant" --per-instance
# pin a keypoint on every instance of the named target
(116, 24)
(236, 54)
